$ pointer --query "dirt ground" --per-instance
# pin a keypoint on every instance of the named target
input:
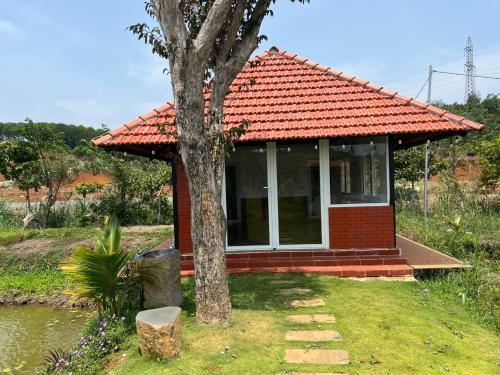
(132, 239)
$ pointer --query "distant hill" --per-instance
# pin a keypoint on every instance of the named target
(72, 134)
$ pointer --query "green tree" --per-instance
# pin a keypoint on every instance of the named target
(489, 153)
(38, 157)
(483, 145)
(85, 189)
(19, 162)
(409, 165)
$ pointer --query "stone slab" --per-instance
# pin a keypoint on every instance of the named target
(159, 331)
(315, 318)
(307, 302)
(289, 291)
(318, 373)
(317, 356)
(282, 282)
(313, 336)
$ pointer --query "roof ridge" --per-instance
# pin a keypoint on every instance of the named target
(442, 113)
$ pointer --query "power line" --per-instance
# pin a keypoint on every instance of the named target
(463, 74)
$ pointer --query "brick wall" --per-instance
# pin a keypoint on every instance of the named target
(185, 244)
(361, 227)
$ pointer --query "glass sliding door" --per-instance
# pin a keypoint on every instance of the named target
(298, 193)
(247, 204)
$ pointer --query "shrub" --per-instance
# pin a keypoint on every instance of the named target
(102, 336)
(9, 218)
(99, 273)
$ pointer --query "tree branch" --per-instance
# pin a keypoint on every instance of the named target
(232, 31)
(211, 27)
(249, 42)
(171, 20)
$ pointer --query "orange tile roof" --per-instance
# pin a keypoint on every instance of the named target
(294, 98)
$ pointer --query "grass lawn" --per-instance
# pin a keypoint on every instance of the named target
(387, 327)
(29, 260)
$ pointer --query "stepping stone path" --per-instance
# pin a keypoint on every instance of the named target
(313, 356)
(312, 336)
(289, 291)
(315, 318)
(319, 373)
(282, 282)
(307, 302)
(317, 356)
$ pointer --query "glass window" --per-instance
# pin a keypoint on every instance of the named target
(358, 171)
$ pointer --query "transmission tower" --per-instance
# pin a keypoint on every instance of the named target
(469, 70)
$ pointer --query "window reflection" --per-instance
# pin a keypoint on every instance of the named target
(358, 171)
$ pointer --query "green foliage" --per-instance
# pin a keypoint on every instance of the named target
(38, 157)
(9, 218)
(461, 222)
(486, 111)
(19, 162)
(488, 151)
(72, 135)
(101, 337)
(409, 164)
(85, 189)
(138, 194)
(98, 273)
(486, 145)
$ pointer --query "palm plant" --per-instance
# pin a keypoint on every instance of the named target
(99, 272)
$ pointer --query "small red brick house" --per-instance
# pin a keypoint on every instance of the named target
(310, 186)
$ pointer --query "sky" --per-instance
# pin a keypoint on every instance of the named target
(74, 61)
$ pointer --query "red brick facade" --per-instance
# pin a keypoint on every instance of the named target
(361, 227)
(184, 211)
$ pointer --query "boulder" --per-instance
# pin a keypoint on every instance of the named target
(161, 284)
(159, 332)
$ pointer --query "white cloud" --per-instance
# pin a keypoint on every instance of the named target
(7, 27)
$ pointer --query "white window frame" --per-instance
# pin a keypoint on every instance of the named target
(388, 187)
(272, 191)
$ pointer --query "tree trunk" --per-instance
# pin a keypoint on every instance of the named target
(208, 223)
(28, 200)
(208, 228)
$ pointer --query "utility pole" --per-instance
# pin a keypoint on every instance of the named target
(429, 85)
(470, 71)
(426, 179)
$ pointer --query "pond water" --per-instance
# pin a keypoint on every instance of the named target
(27, 333)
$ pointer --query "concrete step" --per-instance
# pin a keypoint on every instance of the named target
(308, 262)
(396, 270)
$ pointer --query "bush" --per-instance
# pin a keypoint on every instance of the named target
(135, 211)
(101, 337)
(9, 218)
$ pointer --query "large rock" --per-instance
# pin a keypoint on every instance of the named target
(159, 331)
(162, 278)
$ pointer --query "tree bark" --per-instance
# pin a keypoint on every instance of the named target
(208, 226)
(203, 157)
(28, 200)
